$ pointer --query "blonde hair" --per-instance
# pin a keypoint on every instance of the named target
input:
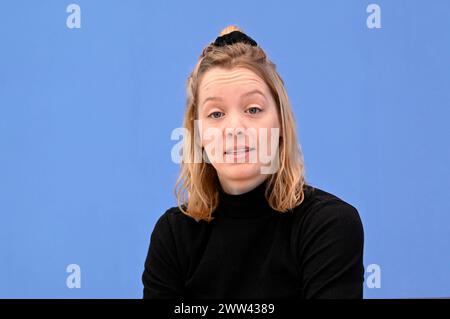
(196, 188)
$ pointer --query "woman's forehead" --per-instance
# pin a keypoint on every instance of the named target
(218, 81)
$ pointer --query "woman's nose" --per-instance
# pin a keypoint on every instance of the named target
(235, 125)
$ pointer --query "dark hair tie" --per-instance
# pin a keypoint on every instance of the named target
(234, 37)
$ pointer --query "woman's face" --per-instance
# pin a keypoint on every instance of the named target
(239, 125)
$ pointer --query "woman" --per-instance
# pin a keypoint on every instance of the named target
(247, 224)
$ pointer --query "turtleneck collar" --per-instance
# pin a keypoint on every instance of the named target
(250, 204)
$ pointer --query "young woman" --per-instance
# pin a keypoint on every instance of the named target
(247, 224)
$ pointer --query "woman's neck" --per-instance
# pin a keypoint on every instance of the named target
(237, 187)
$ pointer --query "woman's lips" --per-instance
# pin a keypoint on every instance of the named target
(238, 150)
(239, 154)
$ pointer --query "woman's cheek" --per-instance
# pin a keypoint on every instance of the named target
(213, 149)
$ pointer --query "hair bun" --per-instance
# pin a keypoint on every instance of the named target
(232, 34)
(230, 29)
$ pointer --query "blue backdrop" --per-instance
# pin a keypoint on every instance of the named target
(90, 93)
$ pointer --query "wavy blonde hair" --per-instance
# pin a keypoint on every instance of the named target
(196, 188)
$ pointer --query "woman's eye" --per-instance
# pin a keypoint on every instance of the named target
(215, 115)
(254, 110)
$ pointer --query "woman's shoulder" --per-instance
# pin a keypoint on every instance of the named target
(175, 226)
(318, 195)
(321, 207)
(174, 218)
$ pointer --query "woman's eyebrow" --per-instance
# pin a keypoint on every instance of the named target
(212, 98)
(256, 91)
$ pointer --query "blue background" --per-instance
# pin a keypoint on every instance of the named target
(86, 117)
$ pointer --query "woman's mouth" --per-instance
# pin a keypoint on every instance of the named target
(239, 152)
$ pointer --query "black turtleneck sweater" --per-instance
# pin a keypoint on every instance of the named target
(252, 251)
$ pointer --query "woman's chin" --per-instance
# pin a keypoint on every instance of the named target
(239, 170)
